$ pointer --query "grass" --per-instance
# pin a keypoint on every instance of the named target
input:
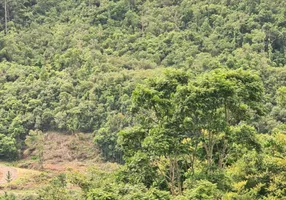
(25, 177)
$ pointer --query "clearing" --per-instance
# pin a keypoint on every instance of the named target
(62, 153)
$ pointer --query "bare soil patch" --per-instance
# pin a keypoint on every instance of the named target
(4, 170)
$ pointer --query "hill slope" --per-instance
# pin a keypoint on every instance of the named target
(72, 65)
(76, 66)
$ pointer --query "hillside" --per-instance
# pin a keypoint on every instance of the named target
(62, 154)
(188, 96)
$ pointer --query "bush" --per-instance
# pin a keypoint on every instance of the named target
(8, 149)
(203, 189)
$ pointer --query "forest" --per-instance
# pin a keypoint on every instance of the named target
(187, 96)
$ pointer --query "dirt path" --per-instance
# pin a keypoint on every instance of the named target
(4, 170)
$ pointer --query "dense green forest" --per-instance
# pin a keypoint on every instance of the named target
(189, 96)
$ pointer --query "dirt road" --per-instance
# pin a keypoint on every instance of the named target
(4, 170)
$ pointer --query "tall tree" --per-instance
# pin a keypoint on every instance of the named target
(6, 17)
(162, 140)
(178, 114)
(215, 102)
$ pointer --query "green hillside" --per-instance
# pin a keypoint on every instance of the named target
(189, 96)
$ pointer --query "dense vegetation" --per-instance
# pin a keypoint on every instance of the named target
(211, 125)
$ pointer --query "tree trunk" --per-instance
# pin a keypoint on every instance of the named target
(209, 150)
(6, 17)
(178, 176)
(194, 159)
(172, 176)
(222, 155)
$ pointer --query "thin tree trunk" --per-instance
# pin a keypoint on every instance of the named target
(226, 113)
(172, 175)
(178, 176)
(209, 149)
(193, 159)
(222, 156)
(6, 17)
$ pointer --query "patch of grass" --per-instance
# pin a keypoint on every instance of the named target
(34, 157)
(28, 179)
(21, 194)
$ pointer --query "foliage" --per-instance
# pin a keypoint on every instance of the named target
(197, 118)
(202, 190)
(189, 96)
(98, 184)
(8, 147)
(57, 190)
(7, 196)
(8, 177)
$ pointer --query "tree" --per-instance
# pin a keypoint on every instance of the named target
(216, 101)
(8, 177)
(162, 140)
(6, 17)
(182, 118)
(8, 148)
(56, 189)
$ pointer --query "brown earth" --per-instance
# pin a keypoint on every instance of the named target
(4, 170)
(63, 152)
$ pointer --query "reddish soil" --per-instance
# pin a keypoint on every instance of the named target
(4, 171)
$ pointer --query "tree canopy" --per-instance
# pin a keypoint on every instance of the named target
(188, 96)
